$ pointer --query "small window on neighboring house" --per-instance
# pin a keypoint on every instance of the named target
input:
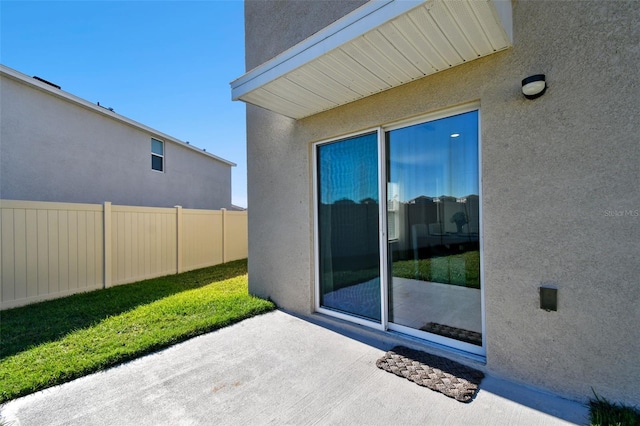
(157, 155)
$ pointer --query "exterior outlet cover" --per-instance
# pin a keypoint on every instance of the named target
(549, 298)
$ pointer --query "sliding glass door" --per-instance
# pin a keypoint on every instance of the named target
(348, 231)
(433, 223)
(405, 255)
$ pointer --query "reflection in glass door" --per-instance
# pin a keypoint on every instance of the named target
(433, 229)
(348, 227)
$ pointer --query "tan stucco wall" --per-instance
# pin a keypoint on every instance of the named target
(556, 173)
(53, 149)
(273, 26)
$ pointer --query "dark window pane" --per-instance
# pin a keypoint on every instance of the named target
(348, 226)
(156, 163)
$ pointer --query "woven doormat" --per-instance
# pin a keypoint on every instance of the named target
(443, 375)
(468, 336)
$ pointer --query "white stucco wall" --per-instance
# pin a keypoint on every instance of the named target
(53, 149)
(557, 172)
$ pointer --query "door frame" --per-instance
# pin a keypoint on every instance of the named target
(467, 349)
(316, 246)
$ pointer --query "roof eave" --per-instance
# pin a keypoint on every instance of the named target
(357, 56)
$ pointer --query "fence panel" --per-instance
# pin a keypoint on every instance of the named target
(49, 250)
(201, 239)
(143, 243)
(236, 238)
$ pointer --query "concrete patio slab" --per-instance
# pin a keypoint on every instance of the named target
(279, 369)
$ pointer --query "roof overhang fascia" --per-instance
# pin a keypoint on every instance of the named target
(345, 31)
(362, 20)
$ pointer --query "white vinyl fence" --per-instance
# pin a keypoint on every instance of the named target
(50, 250)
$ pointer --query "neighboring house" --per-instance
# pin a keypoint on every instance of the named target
(399, 179)
(57, 147)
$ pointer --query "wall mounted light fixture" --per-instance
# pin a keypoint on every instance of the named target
(534, 86)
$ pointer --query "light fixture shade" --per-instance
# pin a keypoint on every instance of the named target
(534, 86)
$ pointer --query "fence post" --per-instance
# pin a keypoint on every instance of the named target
(224, 235)
(106, 221)
(178, 239)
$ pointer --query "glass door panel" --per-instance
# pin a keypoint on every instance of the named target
(348, 230)
(433, 228)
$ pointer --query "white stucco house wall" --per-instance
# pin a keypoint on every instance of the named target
(57, 147)
(425, 195)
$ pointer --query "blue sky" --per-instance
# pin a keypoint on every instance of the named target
(436, 158)
(165, 64)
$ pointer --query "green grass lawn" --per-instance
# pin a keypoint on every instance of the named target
(53, 342)
(605, 413)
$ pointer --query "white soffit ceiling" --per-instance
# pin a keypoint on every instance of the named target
(381, 45)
